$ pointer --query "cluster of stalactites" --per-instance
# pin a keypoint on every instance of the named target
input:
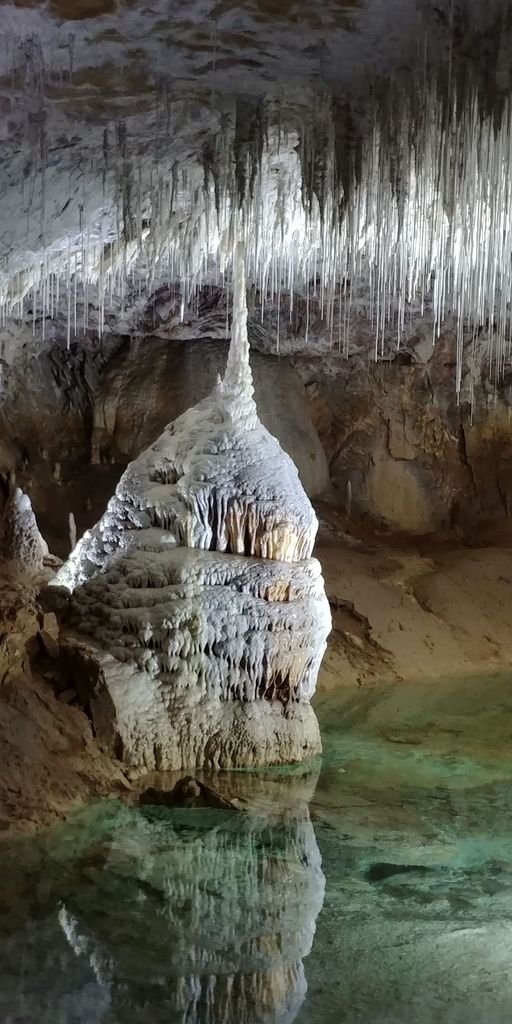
(218, 521)
(244, 528)
(407, 216)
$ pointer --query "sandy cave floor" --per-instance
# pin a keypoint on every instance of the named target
(421, 651)
(408, 608)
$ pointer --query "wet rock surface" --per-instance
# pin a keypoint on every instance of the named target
(423, 609)
(188, 792)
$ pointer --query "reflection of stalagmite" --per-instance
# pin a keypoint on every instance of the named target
(216, 916)
(208, 613)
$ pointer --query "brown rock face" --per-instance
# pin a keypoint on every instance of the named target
(76, 10)
(49, 759)
(389, 437)
(400, 450)
(71, 421)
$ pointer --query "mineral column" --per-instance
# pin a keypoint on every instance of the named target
(196, 596)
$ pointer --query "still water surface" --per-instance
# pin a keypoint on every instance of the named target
(376, 887)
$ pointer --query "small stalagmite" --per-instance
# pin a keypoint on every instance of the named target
(196, 596)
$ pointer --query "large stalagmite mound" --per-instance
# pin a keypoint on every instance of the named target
(205, 615)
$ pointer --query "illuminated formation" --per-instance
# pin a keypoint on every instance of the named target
(407, 217)
(198, 592)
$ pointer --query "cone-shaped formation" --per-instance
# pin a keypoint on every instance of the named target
(207, 611)
(20, 540)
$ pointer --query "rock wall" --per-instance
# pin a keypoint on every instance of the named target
(388, 436)
(401, 452)
(70, 421)
(49, 759)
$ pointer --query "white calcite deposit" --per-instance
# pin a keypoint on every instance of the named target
(202, 606)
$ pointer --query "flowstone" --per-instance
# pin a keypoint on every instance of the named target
(204, 612)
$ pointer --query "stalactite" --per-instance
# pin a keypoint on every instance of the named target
(397, 209)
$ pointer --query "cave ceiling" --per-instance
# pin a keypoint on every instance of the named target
(113, 110)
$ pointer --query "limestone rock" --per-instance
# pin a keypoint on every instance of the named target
(188, 792)
(415, 460)
(20, 540)
(206, 612)
(48, 622)
(68, 696)
(48, 644)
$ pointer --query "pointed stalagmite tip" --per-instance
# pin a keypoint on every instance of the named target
(238, 376)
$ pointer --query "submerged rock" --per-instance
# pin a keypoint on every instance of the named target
(198, 595)
(187, 792)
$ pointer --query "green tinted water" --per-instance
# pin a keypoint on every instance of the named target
(376, 888)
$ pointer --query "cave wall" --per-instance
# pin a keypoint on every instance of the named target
(401, 451)
(387, 440)
(70, 421)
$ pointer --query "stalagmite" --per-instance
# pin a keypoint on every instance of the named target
(20, 540)
(201, 605)
(72, 532)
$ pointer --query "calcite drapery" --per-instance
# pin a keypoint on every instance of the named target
(208, 612)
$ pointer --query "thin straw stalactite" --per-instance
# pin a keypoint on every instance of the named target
(411, 219)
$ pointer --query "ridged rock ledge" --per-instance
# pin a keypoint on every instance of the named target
(198, 604)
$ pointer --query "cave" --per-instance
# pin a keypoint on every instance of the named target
(255, 511)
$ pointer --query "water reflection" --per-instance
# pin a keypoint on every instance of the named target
(197, 916)
(202, 916)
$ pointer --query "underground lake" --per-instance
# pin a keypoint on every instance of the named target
(373, 884)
